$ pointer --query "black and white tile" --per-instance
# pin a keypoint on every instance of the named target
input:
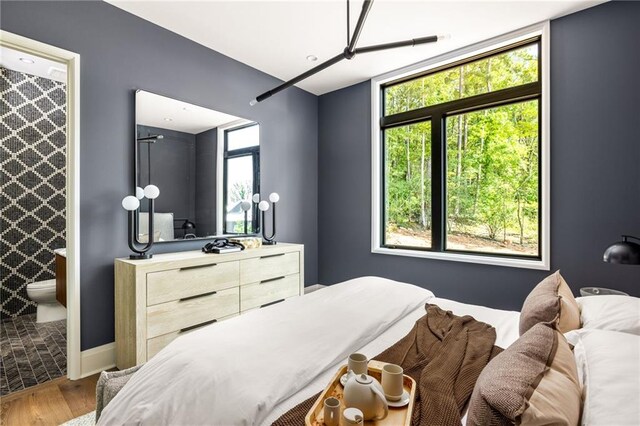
(32, 184)
(32, 353)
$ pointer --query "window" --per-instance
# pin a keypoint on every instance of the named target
(459, 159)
(241, 177)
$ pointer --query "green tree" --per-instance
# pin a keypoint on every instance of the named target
(492, 155)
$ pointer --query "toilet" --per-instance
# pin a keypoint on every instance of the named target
(44, 294)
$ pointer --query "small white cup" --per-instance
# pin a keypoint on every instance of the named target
(358, 363)
(332, 411)
(352, 416)
(392, 382)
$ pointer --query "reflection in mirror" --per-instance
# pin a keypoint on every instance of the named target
(241, 172)
(205, 162)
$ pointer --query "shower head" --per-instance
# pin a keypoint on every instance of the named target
(150, 138)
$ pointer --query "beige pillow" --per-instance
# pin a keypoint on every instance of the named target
(533, 382)
(551, 301)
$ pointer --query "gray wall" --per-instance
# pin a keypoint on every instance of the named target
(120, 53)
(173, 170)
(206, 166)
(595, 167)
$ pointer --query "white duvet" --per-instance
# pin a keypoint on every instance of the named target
(237, 372)
(505, 323)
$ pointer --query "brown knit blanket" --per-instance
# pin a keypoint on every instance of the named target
(444, 354)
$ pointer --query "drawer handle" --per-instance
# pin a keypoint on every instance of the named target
(198, 295)
(271, 255)
(193, 327)
(186, 268)
(271, 303)
(271, 279)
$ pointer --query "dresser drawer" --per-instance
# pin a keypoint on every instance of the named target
(176, 284)
(156, 344)
(260, 293)
(180, 314)
(267, 267)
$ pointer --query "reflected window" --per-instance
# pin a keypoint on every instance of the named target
(241, 170)
(244, 137)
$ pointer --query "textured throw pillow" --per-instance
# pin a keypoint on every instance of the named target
(533, 382)
(609, 367)
(550, 301)
(611, 312)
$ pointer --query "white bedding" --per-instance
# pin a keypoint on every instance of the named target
(505, 323)
(251, 370)
(238, 371)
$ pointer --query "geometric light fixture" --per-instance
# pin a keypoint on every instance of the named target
(349, 52)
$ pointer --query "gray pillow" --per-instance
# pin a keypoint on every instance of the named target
(108, 386)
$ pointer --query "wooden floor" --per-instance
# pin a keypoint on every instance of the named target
(51, 403)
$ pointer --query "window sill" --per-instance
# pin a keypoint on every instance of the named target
(467, 258)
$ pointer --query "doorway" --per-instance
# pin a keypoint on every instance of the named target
(40, 220)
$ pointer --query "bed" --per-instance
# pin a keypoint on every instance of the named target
(254, 368)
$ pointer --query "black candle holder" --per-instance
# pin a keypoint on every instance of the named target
(132, 204)
(264, 206)
(246, 206)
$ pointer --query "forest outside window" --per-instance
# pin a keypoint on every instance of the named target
(460, 159)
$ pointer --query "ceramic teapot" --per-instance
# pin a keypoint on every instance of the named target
(365, 393)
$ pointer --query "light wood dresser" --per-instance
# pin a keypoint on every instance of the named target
(158, 299)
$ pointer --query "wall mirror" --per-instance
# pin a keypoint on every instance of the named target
(205, 163)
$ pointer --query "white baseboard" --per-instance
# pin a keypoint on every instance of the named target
(312, 288)
(98, 359)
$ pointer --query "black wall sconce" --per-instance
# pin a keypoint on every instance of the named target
(188, 228)
(623, 252)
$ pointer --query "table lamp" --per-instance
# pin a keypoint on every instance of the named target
(131, 203)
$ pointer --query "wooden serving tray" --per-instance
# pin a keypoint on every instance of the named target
(397, 416)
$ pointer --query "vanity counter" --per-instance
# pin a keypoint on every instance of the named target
(61, 276)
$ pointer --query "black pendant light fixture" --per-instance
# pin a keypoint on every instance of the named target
(349, 52)
(623, 252)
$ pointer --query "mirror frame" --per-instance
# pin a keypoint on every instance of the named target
(220, 163)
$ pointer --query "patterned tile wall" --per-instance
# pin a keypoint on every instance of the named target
(32, 184)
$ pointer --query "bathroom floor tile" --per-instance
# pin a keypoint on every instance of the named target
(31, 353)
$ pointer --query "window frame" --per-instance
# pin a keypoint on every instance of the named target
(252, 151)
(437, 115)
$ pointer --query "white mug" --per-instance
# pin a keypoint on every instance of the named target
(358, 363)
(332, 411)
(352, 416)
(392, 382)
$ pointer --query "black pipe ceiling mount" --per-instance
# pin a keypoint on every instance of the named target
(349, 52)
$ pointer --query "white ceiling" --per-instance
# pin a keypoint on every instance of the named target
(277, 36)
(159, 111)
(41, 67)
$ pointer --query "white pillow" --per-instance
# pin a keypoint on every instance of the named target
(609, 368)
(614, 313)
